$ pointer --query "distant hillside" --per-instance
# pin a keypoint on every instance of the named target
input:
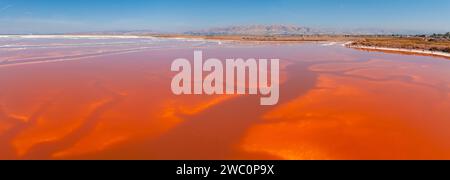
(286, 30)
(256, 30)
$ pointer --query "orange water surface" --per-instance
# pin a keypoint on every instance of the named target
(111, 99)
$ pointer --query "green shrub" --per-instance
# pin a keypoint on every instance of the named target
(446, 50)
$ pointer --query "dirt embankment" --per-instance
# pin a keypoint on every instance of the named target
(410, 43)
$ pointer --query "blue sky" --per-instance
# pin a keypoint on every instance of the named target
(52, 16)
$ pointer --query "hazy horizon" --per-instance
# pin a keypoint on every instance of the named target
(51, 16)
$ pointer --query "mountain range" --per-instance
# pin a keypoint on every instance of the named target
(266, 30)
(289, 30)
